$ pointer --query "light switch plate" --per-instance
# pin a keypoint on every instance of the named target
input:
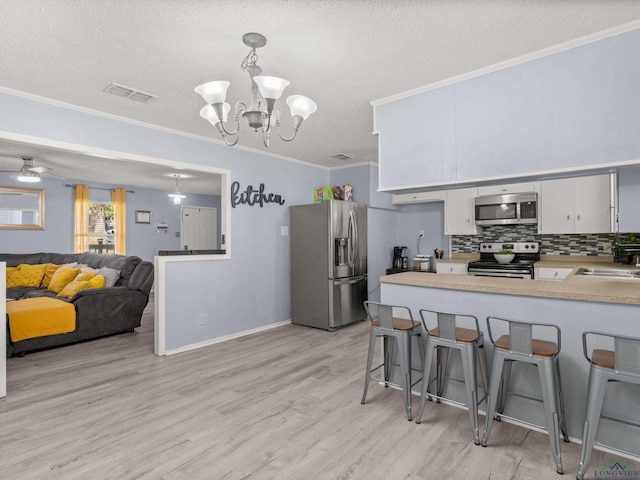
(284, 231)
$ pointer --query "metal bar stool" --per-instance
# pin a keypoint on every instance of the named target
(394, 330)
(447, 336)
(520, 346)
(622, 364)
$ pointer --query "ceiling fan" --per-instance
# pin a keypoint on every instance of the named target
(29, 172)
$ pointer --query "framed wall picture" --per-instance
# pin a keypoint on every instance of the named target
(143, 216)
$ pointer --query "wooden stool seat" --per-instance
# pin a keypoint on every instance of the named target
(604, 358)
(541, 348)
(401, 324)
(466, 335)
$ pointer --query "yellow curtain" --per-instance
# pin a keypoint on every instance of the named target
(119, 202)
(81, 219)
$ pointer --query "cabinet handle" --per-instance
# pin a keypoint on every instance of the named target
(568, 217)
(578, 217)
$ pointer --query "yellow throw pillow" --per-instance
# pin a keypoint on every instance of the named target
(72, 288)
(49, 270)
(60, 279)
(26, 276)
(10, 270)
(85, 276)
(96, 282)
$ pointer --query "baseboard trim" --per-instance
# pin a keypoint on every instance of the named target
(225, 338)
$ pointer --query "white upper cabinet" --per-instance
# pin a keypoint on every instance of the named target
(417, 139)
(420, 197)
(525, 187)
(629, 199)
(459, 212)
(562, 112)
(576, 205)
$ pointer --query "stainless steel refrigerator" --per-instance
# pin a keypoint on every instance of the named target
(328, 264)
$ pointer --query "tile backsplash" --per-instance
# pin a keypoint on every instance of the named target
(570, 244)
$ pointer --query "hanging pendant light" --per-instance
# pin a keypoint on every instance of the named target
(261, 114)
(176, 195)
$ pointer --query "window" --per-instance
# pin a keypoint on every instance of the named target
(102, 228)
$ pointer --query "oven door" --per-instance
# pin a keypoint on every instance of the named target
(524, 273)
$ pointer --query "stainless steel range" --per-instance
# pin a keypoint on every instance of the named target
(525, 255)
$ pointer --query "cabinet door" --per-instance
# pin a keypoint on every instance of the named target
(451, 268)
(420, 197)
(552, 273)
(458, 212)
(592, 196)
(508, 188)
(556, 206)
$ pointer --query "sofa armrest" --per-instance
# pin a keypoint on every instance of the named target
(98, 292)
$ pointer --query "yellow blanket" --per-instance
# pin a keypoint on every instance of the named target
(38, 317)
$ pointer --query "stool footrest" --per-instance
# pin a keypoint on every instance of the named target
(524, 422)
(620, 420)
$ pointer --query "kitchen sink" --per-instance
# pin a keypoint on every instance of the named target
(609, 272)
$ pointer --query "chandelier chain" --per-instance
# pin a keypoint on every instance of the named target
(249, 60)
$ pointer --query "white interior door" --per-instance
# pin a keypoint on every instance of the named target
(198, 228)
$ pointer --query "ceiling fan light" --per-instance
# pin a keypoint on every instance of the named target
(213, 92)
(28, 176)
(301, 106)
(177, 197)
(270, 87)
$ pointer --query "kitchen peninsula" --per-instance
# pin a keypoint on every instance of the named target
(576, 304)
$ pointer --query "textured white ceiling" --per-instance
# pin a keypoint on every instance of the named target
(343, 54)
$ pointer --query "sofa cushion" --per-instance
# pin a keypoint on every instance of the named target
(85, 274)
(49, 270)
(97, 282)
(110, 275)
(37, 317)
(9, 271)
(26, 276)
(73, 287)
(61, 278)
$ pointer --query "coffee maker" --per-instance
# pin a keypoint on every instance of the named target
(400, 262)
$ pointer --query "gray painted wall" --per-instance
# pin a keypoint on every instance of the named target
(247, 291)
(142, 239)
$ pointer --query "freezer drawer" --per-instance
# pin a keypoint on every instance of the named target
(346, 301)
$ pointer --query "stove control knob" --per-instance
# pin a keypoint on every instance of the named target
(526, 246)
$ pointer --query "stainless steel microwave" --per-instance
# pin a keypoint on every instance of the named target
(507, 209)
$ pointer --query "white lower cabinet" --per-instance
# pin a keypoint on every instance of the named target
(550, 273)
(454, 268)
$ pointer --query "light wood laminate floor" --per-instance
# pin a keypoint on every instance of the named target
(283, 404)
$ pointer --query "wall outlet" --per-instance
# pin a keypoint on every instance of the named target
(201, 319)
(421, 233)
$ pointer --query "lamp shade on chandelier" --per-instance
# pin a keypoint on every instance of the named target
(261, 113)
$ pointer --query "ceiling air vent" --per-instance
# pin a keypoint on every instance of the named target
(342, 156)
(127, 92)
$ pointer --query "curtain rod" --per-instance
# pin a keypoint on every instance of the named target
(95, 188)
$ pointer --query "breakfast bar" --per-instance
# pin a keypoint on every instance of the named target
(576, 304)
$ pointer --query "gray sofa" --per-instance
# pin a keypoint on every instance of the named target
(99, 311)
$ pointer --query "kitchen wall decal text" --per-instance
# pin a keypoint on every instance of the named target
(253, 197)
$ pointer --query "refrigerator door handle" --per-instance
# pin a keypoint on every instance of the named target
(353, 240)
(350, 280)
